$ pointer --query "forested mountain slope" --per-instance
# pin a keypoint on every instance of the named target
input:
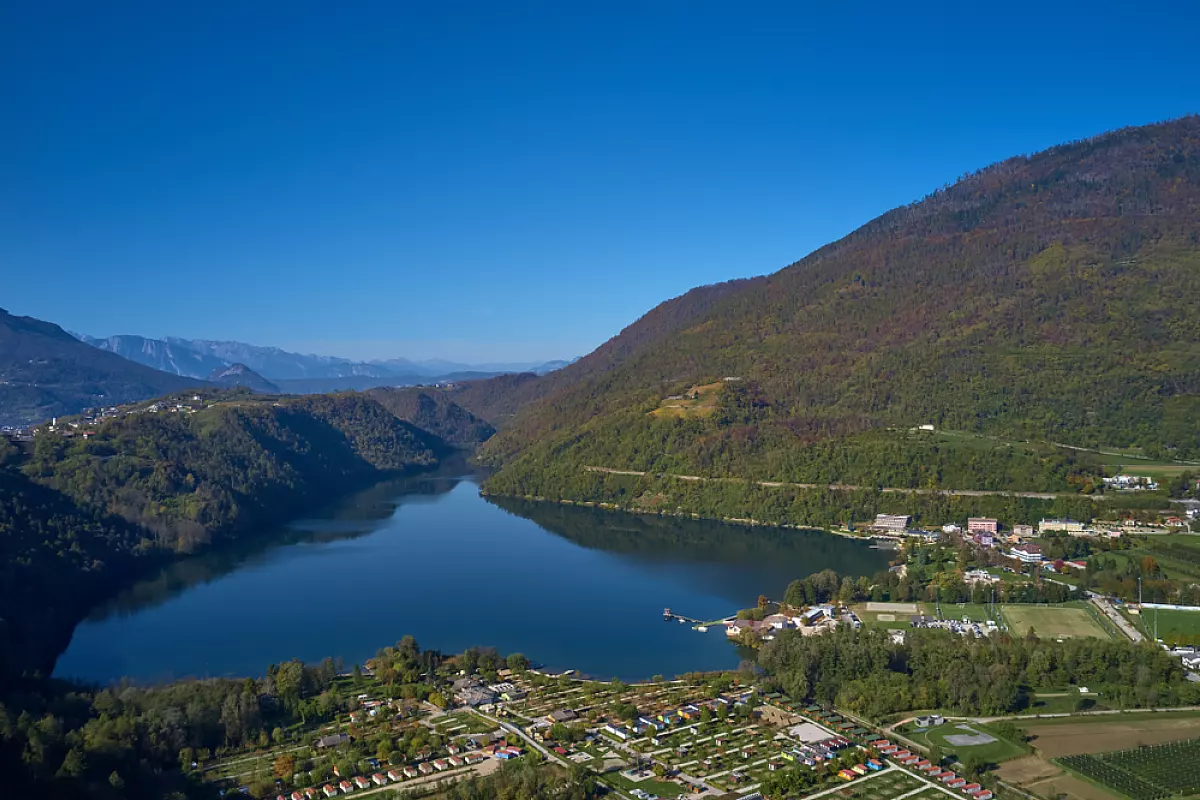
(239, 463)
(433, 411)
(47, 372)
(1051, 297)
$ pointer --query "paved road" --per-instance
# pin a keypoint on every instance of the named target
(1108, 610)
(848, 486)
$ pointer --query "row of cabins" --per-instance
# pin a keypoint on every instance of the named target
(931, 771)
(397, 775)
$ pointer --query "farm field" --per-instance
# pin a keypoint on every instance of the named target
(1056, 738)
(1052, 622)
(1075, 735)
(953, 737)
(1050, 780)
(1144, 773)
(697, 401)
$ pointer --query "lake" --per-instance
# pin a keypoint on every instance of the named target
(570, 587)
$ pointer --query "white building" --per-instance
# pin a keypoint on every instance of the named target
(896, 523)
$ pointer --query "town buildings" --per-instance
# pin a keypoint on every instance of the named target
(1060, 526)
(892, 523)
(1027, 553)
(983, 525)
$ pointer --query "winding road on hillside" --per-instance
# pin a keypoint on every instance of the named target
(846, 487)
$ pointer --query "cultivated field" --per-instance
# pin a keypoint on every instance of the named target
(1075, 735)
(1048, 780)
(1052, 622)
(1063, 737)
(1144, 773)
(697, 401)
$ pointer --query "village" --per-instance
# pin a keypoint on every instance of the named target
(699, 736)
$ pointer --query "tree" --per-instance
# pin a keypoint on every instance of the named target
(116, 781)
(73, 765)
(285, 766)
(517, 662)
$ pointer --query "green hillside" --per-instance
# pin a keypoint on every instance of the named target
(433, 411)
(1049, 298)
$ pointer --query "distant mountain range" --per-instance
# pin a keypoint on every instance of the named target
(198, 358)
(47, 372)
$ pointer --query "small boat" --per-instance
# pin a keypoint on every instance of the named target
(702, 628)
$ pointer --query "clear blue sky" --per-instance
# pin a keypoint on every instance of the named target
(511, 180)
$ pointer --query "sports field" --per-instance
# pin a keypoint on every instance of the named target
(963, 739)
(1174, 627)
(1052, 622)
(887, 615)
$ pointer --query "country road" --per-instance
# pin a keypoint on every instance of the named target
(1109, 611)
(847, 487)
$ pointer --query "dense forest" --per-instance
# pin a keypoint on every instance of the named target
(433, 411)
(1048, 298)
(736, 499)
(238, 463)
(866, 672)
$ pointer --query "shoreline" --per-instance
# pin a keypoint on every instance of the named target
(745, 521)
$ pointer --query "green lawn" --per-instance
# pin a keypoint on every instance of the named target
(973, 611)
(886, 619)
(1174, 627)
(1053, 622)
(993, 752)
(652, 785)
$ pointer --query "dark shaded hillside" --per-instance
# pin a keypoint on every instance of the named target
(46, 372)
(230, 468)
(1052, 297)
(57, 561)
(433, 411)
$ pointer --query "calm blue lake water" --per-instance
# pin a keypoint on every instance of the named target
(569, 587)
